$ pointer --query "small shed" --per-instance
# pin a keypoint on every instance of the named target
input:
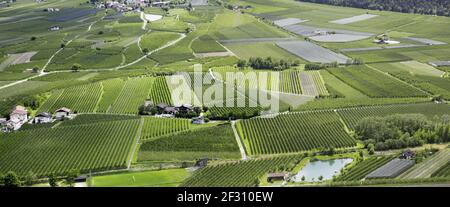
(81, 179)
(54, 28)
(201, 163)
(277, 176)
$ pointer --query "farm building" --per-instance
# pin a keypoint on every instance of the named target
(54, 28)
(198, 120)
(17, 118)
(201, 163)
(392, 169)
(184, 108)
(148, 103)
(277, 176)
(439, 63)
(408, 154)
(19, 114)
(42, 118)
(164, 108)
(62, 113)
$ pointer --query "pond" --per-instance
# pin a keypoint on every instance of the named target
(326, 168)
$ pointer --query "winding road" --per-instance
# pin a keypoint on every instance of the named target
(42, 73)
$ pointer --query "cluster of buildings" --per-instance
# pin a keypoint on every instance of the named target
(168, 111)
(19, 116)
(131, 5)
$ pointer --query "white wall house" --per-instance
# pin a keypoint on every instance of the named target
(62, 113)
(18, 117)
(43, 118)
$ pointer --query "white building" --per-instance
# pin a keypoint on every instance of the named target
(54, 28)
(17, 118)
(43, 118)
(63, 113)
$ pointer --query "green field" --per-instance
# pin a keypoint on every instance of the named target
(212, 142)
(431, 110)
(90, 147)
(420, 75)
(237, 174)
(205, 44)
(126, 61)
(163, 178)
(262, 49)
(362, 169)
(374, 83)
(303, 131)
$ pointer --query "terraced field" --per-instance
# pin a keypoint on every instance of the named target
(353, 115)
(82, 99)
(429, 166)
(160, 92)
(91, 147)
(419, 75)
(362, 169)
(293, 133)
(132, 95)
(236, 174)
(157, 127)
(373, 83)
(215, 142)
(111, 90)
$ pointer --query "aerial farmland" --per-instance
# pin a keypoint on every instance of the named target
(222, 93)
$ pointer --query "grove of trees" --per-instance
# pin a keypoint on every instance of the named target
(402, 130)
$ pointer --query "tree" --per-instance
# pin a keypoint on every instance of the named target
(303, 178)
(71, 176)
(33, 38)
(30, 178)
(53, 180)
(241, 63)
(371, 149)
(11, 180)
(320, 178)
(35, 69)
(145, 50)
(63, 45)
(75, 67)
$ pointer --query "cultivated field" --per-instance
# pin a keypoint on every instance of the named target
(237, 174)
(374, 83)
(88, 147)
(429, 166)
(303, 131)
(353, 115)
(312, 52)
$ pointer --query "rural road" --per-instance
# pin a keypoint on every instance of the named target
(136, 144)
(144, 25)
(238, 140)
(42, 73)
(182, 36)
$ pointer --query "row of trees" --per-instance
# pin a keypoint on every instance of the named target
(267, 63)
(11, 179)
(441, 7)
(402, 130)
